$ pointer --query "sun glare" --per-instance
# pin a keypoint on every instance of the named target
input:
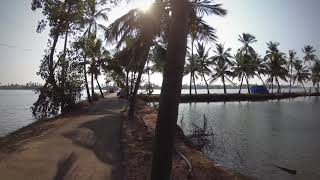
(145, 6)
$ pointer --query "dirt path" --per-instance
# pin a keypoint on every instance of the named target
(79, 147)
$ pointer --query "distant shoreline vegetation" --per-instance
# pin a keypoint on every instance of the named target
(27, 86)
(202, 86)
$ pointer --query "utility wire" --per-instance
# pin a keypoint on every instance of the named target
(13, 46)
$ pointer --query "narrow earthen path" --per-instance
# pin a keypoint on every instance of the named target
(80, 147)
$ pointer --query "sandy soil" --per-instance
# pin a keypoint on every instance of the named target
(81, 146)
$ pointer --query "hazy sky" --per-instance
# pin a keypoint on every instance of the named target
(293, 23)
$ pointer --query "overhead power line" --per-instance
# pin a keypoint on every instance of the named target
(14, 46)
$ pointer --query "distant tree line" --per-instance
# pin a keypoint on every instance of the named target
(217, 86)
(27, 86)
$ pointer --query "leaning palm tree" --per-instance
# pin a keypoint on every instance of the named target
(309, 54)
(276, 62)
(290, 63)
(301, 74)
(203, 61)
(315, 76)
(221, 61)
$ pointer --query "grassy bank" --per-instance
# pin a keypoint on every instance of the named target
(229, 97)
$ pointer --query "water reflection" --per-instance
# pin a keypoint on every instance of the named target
(253, 137)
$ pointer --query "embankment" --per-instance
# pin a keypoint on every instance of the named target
(230, 97)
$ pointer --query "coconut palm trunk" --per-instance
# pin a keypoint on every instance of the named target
(86, 80)
(259, 76)
(205, 81)
(63, 72)
(247, 80)
(224, 85)
(194, 84)
(279, 88)
(170, 93)
(100, 89)
(290, 85)
(144, 57)
(241, 84)
(149, 83)
(51, 68)
(127, 83)
(191, 66)
(92, 87)
(305, 91)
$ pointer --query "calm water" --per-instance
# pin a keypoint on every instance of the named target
(253, 136)
(15, 109)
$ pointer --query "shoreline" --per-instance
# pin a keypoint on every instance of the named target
(188, 162)
(186, 98)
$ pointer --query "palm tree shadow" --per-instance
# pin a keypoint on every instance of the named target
(64, 165)
(102, 136)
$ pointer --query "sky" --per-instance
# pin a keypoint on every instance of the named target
(293, 23)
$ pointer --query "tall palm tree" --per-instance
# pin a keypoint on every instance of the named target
(301, 74)
(315, 76)
(309, 54)
(92, 14)
(199, 29)
(275, 65)
(248, 53)
(143, 25)
(203, 61)
(290, 63)
(222, 61)
(170, 92)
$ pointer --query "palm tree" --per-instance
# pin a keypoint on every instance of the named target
(90, 22)
(248, 54)
(141, 25)
(301, 75)
(246, 39)
(245, 68)
(158, 56)
(309, 54)
(170, 92)
(291, 60)
(203, 61)
(259, 66)
(275, 64)
(315, 76)
(200, 30)
(222, 62)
